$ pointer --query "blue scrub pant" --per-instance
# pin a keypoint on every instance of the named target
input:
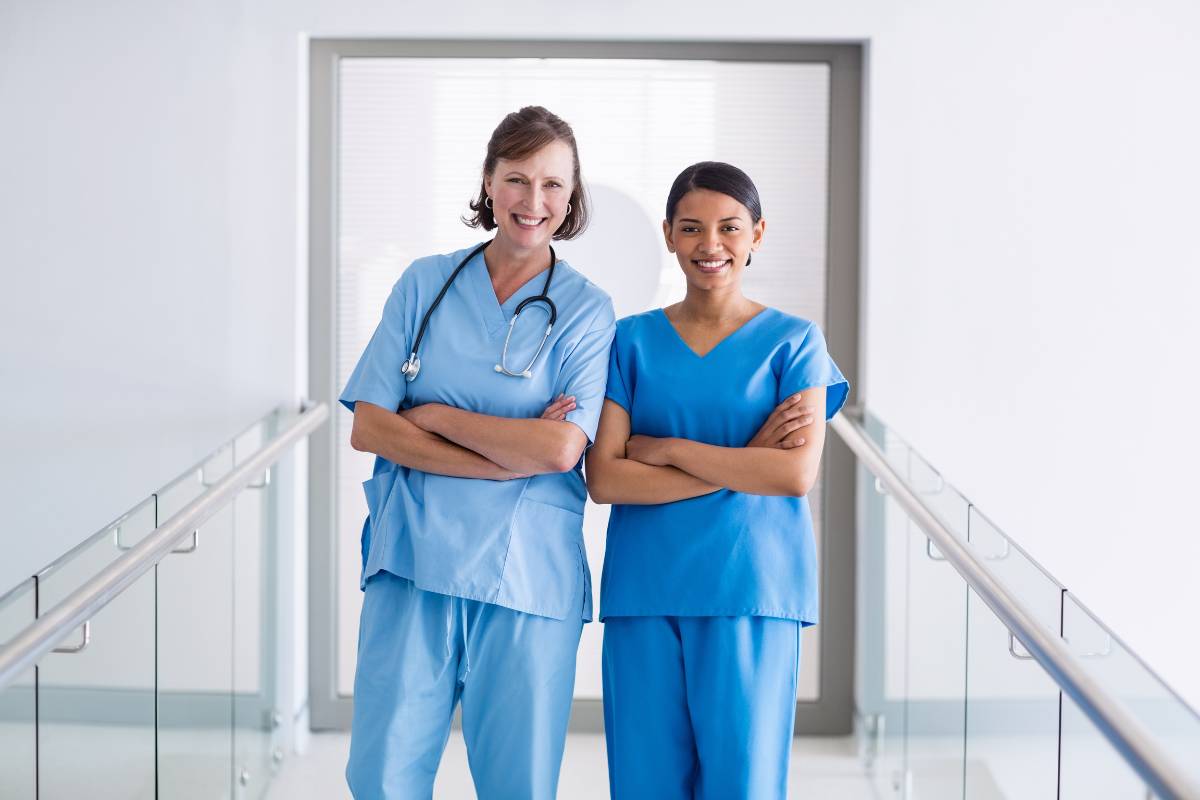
(419, 653)
(699, 707)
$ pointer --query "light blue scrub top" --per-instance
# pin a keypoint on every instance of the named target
(517, 543)
(726, 553)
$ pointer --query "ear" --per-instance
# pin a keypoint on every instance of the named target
(760, 228)
(667, 236)
(487, 185)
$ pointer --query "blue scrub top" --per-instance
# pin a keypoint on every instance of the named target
(726, 553)
(517, 543)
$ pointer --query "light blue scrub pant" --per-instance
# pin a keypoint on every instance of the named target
(419, 653)
(699, 707)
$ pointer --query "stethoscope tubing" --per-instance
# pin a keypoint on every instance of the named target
(412, 365)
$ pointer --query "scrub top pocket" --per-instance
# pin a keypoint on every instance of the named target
(544, 570)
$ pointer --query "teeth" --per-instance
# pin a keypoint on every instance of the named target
(712, 264)
(528, 220)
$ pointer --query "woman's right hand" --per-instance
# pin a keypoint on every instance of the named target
(559, 408)
(782, 426)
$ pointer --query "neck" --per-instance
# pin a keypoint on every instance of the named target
(714, 306)
(504, 260)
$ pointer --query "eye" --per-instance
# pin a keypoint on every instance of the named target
(554, 185)
(689, 229)
(732, 228)
(515, 180)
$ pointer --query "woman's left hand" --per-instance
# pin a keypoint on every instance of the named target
(648, 450)
(560, 407)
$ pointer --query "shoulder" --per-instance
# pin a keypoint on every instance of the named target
(575, 283)
(787, 328)
(435, 267)
(427, 274)
(593, 303)
(635, 325)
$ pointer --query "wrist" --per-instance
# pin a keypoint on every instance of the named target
(435, 415)
(673, 451)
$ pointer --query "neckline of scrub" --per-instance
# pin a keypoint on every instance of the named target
(662, 313)
(496, 314)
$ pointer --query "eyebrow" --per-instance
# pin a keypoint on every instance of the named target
(723, 219)
(512, 172)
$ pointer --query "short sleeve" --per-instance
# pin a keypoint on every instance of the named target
(377, 378)
(586, 369)
(618, 378)
(808, 366)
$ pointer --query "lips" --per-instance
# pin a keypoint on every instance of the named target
(712, 265)
(528, 223)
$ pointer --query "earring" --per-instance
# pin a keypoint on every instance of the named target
(568, 209)
(487, 201)
(748, 257)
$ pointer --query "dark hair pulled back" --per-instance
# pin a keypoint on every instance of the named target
(520, 135)
(716, 176)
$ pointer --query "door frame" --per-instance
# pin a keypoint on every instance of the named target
(832, 713)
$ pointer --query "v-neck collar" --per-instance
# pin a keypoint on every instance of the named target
(683, 342)
(495, 315)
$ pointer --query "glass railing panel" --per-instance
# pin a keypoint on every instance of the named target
(894, 449)
(1125, 677)
(1012, 704)
(96, 706)
(1091, 768)
(882, 680)
(195, 634)
(942, 499)
(18, 706)
(937, 651)
(929, 641)
(254, 713)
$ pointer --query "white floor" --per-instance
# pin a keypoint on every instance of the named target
(825, 768)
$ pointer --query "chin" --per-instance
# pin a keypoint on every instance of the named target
(526, 238)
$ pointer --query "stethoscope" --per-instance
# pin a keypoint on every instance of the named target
(412, 365)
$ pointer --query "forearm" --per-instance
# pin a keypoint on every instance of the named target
(753, 470)
(628, 482)
(401, 442)
(527, 446)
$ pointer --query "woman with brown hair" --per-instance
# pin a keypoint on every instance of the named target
(478, 393)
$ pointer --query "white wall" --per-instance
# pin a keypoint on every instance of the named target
(1028, 190)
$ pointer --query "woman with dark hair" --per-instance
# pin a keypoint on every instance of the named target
(478, 393)
(708, 444)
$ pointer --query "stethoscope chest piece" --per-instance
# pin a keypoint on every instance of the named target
(411, 367)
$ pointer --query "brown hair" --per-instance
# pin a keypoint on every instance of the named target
(519, 135)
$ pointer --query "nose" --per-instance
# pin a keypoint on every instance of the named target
(711, 242)
(535, 197)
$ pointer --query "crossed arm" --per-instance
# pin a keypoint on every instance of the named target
(779, 460)
(463, 444)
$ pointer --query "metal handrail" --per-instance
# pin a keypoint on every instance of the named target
(1138, 747)
(41, 636)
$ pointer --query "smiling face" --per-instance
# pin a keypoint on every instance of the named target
(712, 235)
(530, 195)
